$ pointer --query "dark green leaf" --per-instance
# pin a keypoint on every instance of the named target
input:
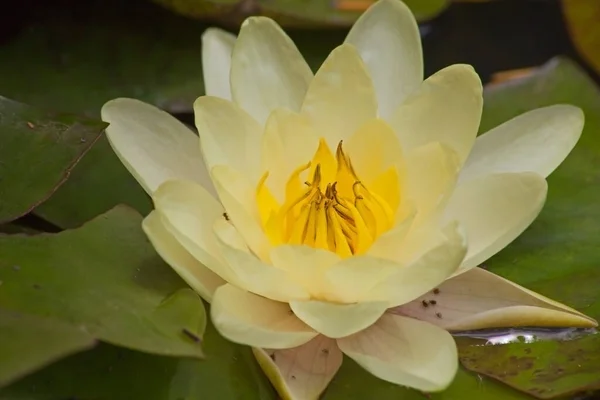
(38, 151)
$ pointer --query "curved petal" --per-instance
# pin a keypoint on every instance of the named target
(494, 210)
(336, 320)
(153, 145)
(229, 136)
(188, 213)
(388, 40)
(341, 97)
(307, 266)
(200, 278)
(447, 109)
(302, 372)
(238, 198)
(406, 352)
(267, 69)
(246, 318)
(537, 141)
(217, 46)
(479, 299)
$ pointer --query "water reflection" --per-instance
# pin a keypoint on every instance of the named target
(525, 335)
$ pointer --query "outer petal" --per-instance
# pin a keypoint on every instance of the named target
(267, 70)
(447, 109)
(188, 213)
(229, 136)
(251, 273)
(406, 352)
(217, 46)
(479, 299)
(388, 40)
(152, 144)
(494, 210)
(302, 372)
(537, 141)
(246, 318)
(341, 97)
(200, 278)
(338, 320)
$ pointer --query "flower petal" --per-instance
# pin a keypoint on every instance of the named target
(406, 352)
(479, 299)
(217, 46)
(200, 278)
(388, 40)
(302, 372)
(494, 210)
(246, 318)
(229, 136)
(447, 109)
(336, 320)
(153, 145)
(188, 213)
(536, 141)
(267, 69)
(341, 97)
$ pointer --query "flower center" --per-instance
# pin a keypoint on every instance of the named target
(332, 210)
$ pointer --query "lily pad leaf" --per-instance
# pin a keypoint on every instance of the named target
(105, 277)
(582, 18)
(39, 149)
(558, 255)
(28, 343)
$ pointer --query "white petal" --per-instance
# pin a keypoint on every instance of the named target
(537, 141)
(267, 69)
(406, 352)
(336, 320)
(200, 278)
(494, 210)
(447, 109)
(341, 97)
(217, 46)
(229, 136)
(388, 40)
(479, 299)
(153, 145)
(246, 318)
(302, 372)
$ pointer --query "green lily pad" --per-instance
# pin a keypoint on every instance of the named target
(558, 255)
(28, 342)
(38, 152)
(107, 278)
(229, 371)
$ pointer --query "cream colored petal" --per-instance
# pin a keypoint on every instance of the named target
(229, 136)
(406, 352)
(302, 372)
(253, 274)
(246, 318)
(289, 141)
(217, 46)
(479, 299)
(390, 245)
(267, 69)
(153, 145)
(239, 199)
(341, 97)
(188, 213)
(494, 210)
(336, 320)
(447, 109)
(307, 266)
(428, 271)
(388, 40)
(537, 141)
(200, 278)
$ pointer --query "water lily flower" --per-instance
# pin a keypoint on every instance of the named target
(345, 212)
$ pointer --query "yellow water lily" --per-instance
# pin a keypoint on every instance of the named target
(345, 212)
